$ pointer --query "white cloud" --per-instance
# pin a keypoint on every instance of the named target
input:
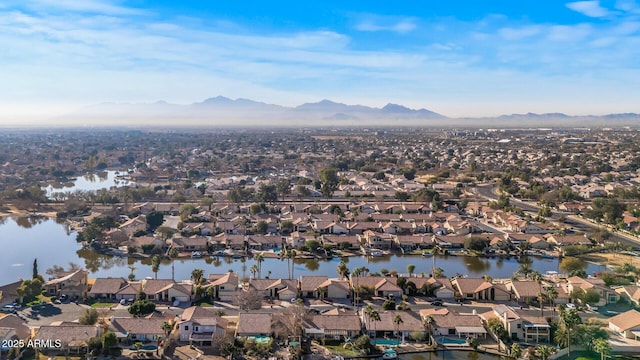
(380, 23)
(519, 33)
(85, 6)
(589, 8)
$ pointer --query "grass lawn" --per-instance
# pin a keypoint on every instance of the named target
(336, 348)
(100, 305)
(581, 355)
(39, 299)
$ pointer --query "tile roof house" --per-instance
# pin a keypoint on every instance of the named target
(626, 324)
(200, 326)
(337, 327)
(9, 293)
(224, 286)
(411, 322)
(275, 288)
(521, 325)
(607, 295)
(19, 329)
(254, 324)
(524, 291)
(631, 293)
(336, 289)
(382, 286)
(138, 328)
(167, 290)
(309, 285)
(479, 289)
(107, 288)
(461, 325)
(69, 283)
(67, 336)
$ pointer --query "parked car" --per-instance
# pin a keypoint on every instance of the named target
(123, 301)
(437, 303)
(571, 306)
(591, 307)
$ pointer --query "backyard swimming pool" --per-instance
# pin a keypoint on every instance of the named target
(452, 341)
(385, 342)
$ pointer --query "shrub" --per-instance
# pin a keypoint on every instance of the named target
(389, 305)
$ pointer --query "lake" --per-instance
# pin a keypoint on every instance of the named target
(449, 355)
(88, 182)
(24, 239)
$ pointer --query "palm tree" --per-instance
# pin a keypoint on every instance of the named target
(375, 317)
(367, 311)
(259, 259)
(132, 276)
(155, 265)
(410, 269)
(525, 269)
(322, 292)
(427, 322)
(343, 270)
(552, 295)
(173, 254)
(515, 351)
(568, 320)
(254, 270)
(602, 347)
(397, 320)
(437, 250)
(197, 276)
(544, 351)
(167, 327)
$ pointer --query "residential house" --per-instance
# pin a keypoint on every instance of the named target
(626, 324)
(377, 240)
(336, 289)
(450, 241)
(68, 283)
(309, 285)
(254, 324)
(12, 328)
(352, 242)
(9, 293)
(143, 329)
(199, 326)
(193, 243)
(524, 291)
(607, 295)
(68, 337)
(451, 323)
(224, 286)
(480, 289)
(564, 240)
(163, 290)
(129, 291)
(413, 242)
(334, 324)
(631, 293)
(106, 288)
(521, 325)
(131, 226)
(381, 286)
(387, 328)
(275, 288)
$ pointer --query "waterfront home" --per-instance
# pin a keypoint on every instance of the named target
(254, 324)
(143, 329)
(607, 295)
(106, 288)
(450, 241)
(411, 322)
(413, 242)
(524, 291)
(627, 324)
(451, 323)
(564, 240)
(380, 286)
(224, 286)
(520, 325)
(166, 290)
(147, 244)
(199, 326)
(275, 288)
(480, 289)
(376, 240)
(193, 243)
(309, 285)
(334, 324)
(67, 283)
(298, 240)
(72, 337)
(129, 291)
(134, 225)
(440, 287)
(336, 241)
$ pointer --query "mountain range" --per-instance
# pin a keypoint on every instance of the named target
(222, 111)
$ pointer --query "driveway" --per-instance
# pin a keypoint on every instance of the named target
(48, 313)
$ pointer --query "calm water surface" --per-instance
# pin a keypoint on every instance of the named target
(89, 182)
(24, 239)
(450, 355)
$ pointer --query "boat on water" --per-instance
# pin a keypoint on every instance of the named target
(427, 253)
(390, 354)
(196, 254)
(376, 254)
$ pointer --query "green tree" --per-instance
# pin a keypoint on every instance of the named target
(89, 317)
(397, 320)
(312, 245)
(343, 270)
(30, 289)
(329, 180)
(186, 210)
(109, 340)
(35, 269)
(428, 322)
(410, 269)
(197, 276)
(544, 351)
(283, 187)
(154, 220)
(142, 308)
(572, 265)
(259, 260)
(602, 347)
(155, 265)
(261, 227)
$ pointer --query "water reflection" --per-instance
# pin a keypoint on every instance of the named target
(28, 222)
(477, 265)
(95, 262)
(450, 355)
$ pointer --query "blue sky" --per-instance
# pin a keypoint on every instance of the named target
(458, 58)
